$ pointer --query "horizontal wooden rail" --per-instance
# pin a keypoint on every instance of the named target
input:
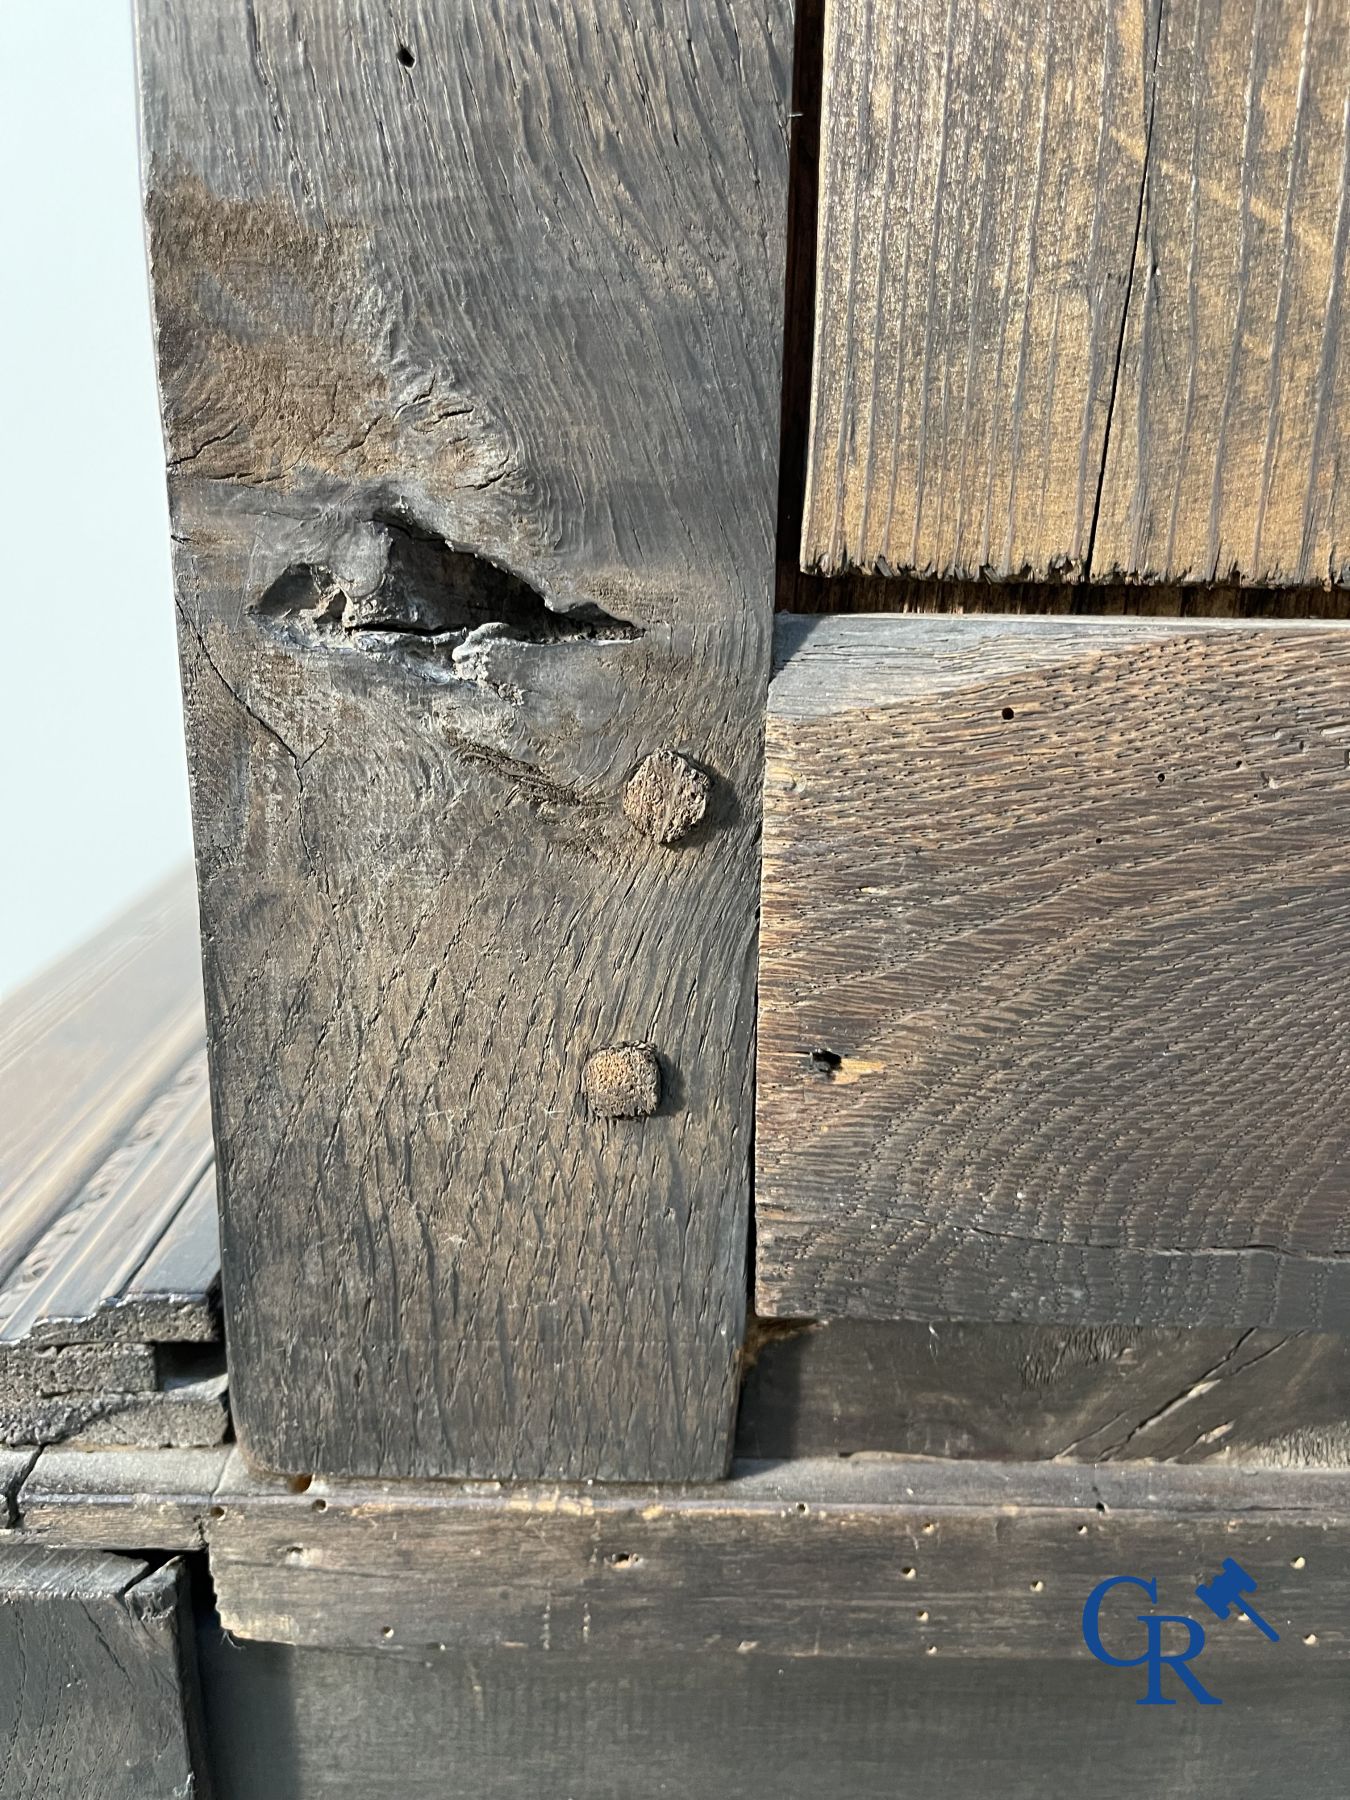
(1053, 967)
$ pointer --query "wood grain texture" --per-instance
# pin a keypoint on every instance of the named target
(811, 1559)
(70, 1287)
(1082, 286)
(1028, 1392)
(14, 1466)
(106, 1499)
(349, 1725)
(84, 1048)
(473, 322)
(1051, 974)
(1231, 415)
(96, 1682)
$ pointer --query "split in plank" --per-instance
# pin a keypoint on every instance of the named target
(1083, 291)
(1027, 1392)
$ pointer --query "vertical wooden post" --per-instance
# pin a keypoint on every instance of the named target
(469, 320)
(98, 1689)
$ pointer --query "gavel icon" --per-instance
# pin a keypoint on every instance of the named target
(1224, 1594)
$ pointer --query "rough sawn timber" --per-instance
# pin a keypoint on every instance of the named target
(470, 371)
(1082, 291)
(1053, 964)
(1032, 1392)
(97, 1678)
(838, 1557)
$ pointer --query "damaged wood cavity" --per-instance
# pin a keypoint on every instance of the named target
(394, 588)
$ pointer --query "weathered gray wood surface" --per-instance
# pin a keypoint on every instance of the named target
(1082, 290)
(1026, 1392)
(346, 1725)
(84, 1048)
(100, 1499)
(109, 1244)
(76, 1283)
(1052, 969)
(831, 1558)
(469, 349)
(97, 1690)
(14, 1466)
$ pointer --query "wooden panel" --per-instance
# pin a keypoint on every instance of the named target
(14, 1466)
(1082, 291)
(71, 1286)
(1053, 963)
(173, 1294)
(831, 1558)
(1231, 411)
(1027, 1392)
(346, 1725)
(84, 1047)
(469, 349)
(96, 1693)
(102, 1499)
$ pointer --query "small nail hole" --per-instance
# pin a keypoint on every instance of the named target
(319, 1506)
(1299, 1562)
(405, 56)
(1008, 713)
(826, 1062)
(388, 1631)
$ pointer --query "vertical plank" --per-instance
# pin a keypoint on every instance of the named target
(1227, 450)
(84, 1048)
(469, 334)
(1082, 298)
(978, 202)
(97, 1679)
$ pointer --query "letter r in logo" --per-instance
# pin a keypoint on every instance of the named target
(1154, 1654)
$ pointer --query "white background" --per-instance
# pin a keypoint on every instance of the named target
(93, 791)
